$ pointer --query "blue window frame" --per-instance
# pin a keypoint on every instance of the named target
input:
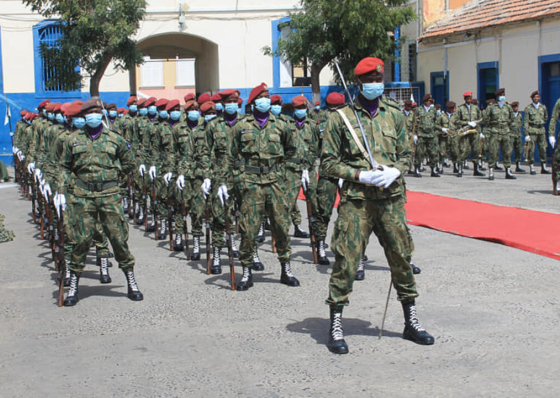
(439, 86)
(488, 81)
(48, 33)
(549, 85)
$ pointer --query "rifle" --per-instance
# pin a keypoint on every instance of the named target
(170, 218)
(207, 211)
(154, 208)
(554, 172)
(131, 212)
(145, 199)
(33, 201)
(236, 212)
(41, 205)
(272, 241)
(61, 260)
(185, 226)
(311, 220)
(51, 227)
(230, 252)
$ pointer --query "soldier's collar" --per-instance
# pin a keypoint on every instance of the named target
(358, 104)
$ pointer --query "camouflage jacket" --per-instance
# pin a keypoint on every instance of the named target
(101, 161)
(220, 135)
(409, 122)
(535, 119)
(446, 121)
(387, 137)
(319, 116)
(554, 119)
(306, 140)
(194, 151)
(466, 115)
(128, 127)
(498, 120)
(516, 124)
(158, 147)
(426, 122)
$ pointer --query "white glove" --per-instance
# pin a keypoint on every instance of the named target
(11, 134)
(59, 202)
(384, 178)
(167, 178)
(340, 182)
(206, 186)
(14, 150)
(445, 131)
(223, 194)
(19, 155)
(415, 138)
(527, 139)
(152, 172)
(38, 175)
(366, 177)
(31, 167)
(181, 182)
(482, 136)
(552, 141)
(472, 124)
(142, 170)
(305, 180)
(46, 191)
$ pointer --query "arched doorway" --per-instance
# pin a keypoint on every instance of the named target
(176, 64)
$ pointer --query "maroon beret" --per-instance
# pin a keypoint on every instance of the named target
(162, 102)
(202, 98)
(131, 100)
(227, 94)
(335, 99)
(256, 91)
(299, 100)
(369, 64)
(172, 104)
(275, 100)
(207, 106)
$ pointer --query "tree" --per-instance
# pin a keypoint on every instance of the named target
(94, 33)
(345, 31)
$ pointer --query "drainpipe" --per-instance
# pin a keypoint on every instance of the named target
(397, 77)
(445, 71)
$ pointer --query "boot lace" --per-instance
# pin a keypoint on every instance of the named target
(73, 285)
(336, 332)
(104, 265)
(361, 265)
(163, 229)
(196, 244)
(288, 270)
(246, 274)
(216, 256)
(261, 230)
(131, 281)
(322, 252)
(256, 258)
(178, 239)
(233, 246)
(413, 320)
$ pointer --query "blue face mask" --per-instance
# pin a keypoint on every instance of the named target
(112, 114)
(372, 91)
(276, 109)
(59, 118)
(143, 111)
(152, 110)
(50, 116)
(438, 112)
(219, 107)
(262, 105)
(502, 98)
(120, 115)
(193, 116)
(133, 108)
(175, 115)
(104, 112)
(207, 118)
(79, 122)
(231, 109)
(163, 114)
(44, 112)
(300, 113)
(93, 120)
(318, 108)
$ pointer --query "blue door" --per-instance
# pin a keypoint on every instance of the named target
(488, 81)
(439, 88)
(550, 90)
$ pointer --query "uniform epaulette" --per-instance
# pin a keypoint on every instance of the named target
(392, 103)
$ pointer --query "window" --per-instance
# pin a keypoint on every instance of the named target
(292, 75)
(151, 72)
(412, 62)
(185, 73)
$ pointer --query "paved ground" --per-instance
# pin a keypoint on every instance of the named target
(493, 310)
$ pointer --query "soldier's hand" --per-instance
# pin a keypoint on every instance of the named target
(181, 182)
(482, 136)
(167, 178)
(472, 124)
(340, 183)
(206, 186)
(31, 167)
(142, 170)
(527, 139)
(384, 178)
(47, 191)
(445, 130)
(552, 141)
(59, 202)
(223, 194)
(152, 172)
(38, 175)
(305, 179)
(415, 138)
(366, 177)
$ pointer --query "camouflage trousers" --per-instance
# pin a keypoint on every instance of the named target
(444, 145)
(293, 186)
(556, 163)
(139, 183)
(540, 140)
(110, 213)
(4, 175)
(468, 144)
(5, 235)
(517, 146)
(196, 204)
(497, 142)
(219, 214)
(260, 200)
(357, 219)
(427, 147)
(454, 148)
(178, 198)
(326, 198)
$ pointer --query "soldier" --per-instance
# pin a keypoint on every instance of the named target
(327, 186)
(97, 158)
(469, 114)
(217, 99)
(446, 122)
(112, 114)
(498, 119)
(276, 106)
(318, 114)
(262, 143)
(409, 114)
(552, 140)
(372, 198)
(516, 136)
(536, 117)
(425, 139)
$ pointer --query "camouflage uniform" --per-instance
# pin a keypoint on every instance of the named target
(533, 126)
(5, 235)
(516, 136)
(498, 121)
(427, 145)
(138, 130)
(365, 209)
(448, 144)
(471, 142)
(554, 117)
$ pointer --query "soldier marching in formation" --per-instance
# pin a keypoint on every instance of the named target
(86, 166)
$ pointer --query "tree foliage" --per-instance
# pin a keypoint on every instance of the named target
(346, 31)
(94, 33)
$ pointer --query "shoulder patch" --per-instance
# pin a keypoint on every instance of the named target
(128, 145)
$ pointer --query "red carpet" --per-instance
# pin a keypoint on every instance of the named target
(533, 231)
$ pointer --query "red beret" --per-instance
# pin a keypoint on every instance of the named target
(120, 110)
(299, 100)
(91, 104)
(141, 102)
(190, 103)
(467, 94)
(111, 107)
(74, 110)
(216, 97)
(500, 91)
(172, 104)
(57, 107)
(150, 101)
(369, 64)
(256, 91)
(204, 98)
(336, 99)
(27, 115)
(450, 104)
(276, 100)
(227, 94)
(43, 104)
(65, 107)
(78, 102)
(125, 112)
(50, 106)
(23, 113)
(317, 103)
(414, 104)
(239, 101)
(189, 97)
(131, 100)
(31, 116)
(207, 106)
(161, 102)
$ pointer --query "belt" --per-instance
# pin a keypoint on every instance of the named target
(295, 160)
(96, 186)
(262, 169)
(536, 125)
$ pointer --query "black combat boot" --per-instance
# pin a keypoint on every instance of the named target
(287, 277)
(417, 173)
(455, 167)
(260, 236)
(66, 275)
(162, 230)
(140, 216)
(133, 292)
(518, 169)
(125, 204)
(439, 168)
(477, 172)
(415, 269)
(234, 249)
(532, 170)
(365, 258)
(481, 165)
(410, 172)
(246, 280)
(72, 296)
(434, 172)
(491, 174)
(152, 225)
(413, 331)
(459, 171)
(321, 253)
(299, 232)
(195, 255)
(466, 165)
(360, 272)
(257, 264)
(510, 176)
(336, 343)
(544, 169)
(178, 243)
(216, 267)
(498, 168)
(104, 276)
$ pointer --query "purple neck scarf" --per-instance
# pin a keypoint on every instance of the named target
(261, 118)
(230, 119)
(96, 132)
(370, 106)
(299, 122)
(192, 124)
